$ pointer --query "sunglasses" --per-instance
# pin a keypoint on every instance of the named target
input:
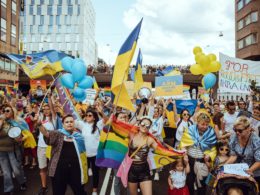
(89, 115)
(224, 149)
(185, 114)
(238, 130)
(7, 111)
(146, 126)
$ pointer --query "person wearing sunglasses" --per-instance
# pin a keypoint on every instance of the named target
(90, 128)
(230, 116)
(245, 148)
(10, 152)
(183, 122)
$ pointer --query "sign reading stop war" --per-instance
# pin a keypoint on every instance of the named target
(236, 74)
(168, 86)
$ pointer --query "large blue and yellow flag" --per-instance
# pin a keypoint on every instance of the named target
(138, 77)
(121, 68)
(39, 64)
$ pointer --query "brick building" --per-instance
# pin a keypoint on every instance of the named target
(9, 40)
(247, 14)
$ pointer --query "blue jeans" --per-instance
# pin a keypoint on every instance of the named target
(10, 162)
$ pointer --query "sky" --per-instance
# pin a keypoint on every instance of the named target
(170, 29)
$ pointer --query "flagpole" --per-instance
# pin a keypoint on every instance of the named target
(49, 89)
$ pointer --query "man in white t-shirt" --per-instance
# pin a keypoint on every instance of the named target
(230, 116)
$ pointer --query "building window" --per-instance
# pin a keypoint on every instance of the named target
(60, 2)
(32, 2)
(240, 4)
(39, 10)
(40, 29)
(41, 20)
(70, 10)
(240, 24)
(69, 2)
(248, 40)
(3, 29)
(58, 38)
(254, 16)
(41, 2)
(3, 9)
(31, 10)
(3, 3)
(68, 45)
(31, 29)
(13, 8)
(68, 29)
(51, 20)
(40, 47)
(50, 28)
(2, 63)
(254, 38)
(34, 20)
(49, 10)
(66, 19)
(13, 67)
(248, 19)
(50, 2)
(57, 20)
(59, 28)
(33, 38)
(67, 38)
(78, 10)
(7, 65)
(59, 10)
(50, 45)
(13, 34)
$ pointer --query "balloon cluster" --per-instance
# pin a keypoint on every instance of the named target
(76, 79)
(205, 65)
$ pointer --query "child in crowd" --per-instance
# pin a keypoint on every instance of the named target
(177, 177)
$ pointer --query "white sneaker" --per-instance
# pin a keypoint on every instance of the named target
(90, 172)
(156, 177)
(94, 193)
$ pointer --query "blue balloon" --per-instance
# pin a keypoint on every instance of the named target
(67, 81)
(86, 82)
(78, 93)
(209, 80)
(81, 99)
(78, 71)
(67, 63)
(78, 60)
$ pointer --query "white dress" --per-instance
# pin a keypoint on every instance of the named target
(178, 178)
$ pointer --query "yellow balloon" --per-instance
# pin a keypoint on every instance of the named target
(212, 57)
(204, 61)
(196, 50)
(214, 66)
(197, 57)
(196, 69)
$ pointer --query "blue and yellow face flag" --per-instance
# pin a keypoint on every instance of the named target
(122, 63)
(138, 72)
(39, 64)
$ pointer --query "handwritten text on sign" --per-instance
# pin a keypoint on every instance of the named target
(236, 74)
(236, 169)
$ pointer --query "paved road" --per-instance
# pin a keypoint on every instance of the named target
(33, 182)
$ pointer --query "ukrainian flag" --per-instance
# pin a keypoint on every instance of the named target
(95, 85)
(138, 78)
(121, 68)
(39, 64)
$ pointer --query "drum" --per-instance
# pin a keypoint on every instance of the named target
(15, 133)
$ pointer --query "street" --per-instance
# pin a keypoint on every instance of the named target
(105, 184)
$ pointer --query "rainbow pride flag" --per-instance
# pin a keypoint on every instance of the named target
(16, 86)
(113, 146)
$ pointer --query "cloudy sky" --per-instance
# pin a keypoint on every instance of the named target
(170, 29)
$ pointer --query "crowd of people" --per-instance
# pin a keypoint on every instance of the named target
(65, 149)
(146, 69)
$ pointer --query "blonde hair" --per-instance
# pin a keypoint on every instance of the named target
(242, 121)
(203, 117)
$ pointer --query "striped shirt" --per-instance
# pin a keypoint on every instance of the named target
(195, 152)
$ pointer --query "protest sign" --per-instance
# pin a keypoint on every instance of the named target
(169, 86)
(35, 83)
(90, 96)
(236, 169)
(236, 74)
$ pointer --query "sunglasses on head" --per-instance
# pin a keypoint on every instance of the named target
(7, 111)
(224, 149)
(144, 125)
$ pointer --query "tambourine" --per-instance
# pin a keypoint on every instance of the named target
(14, 132)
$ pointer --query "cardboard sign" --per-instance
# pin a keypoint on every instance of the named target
(166, 86)
(236, 169)
(90, 96)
